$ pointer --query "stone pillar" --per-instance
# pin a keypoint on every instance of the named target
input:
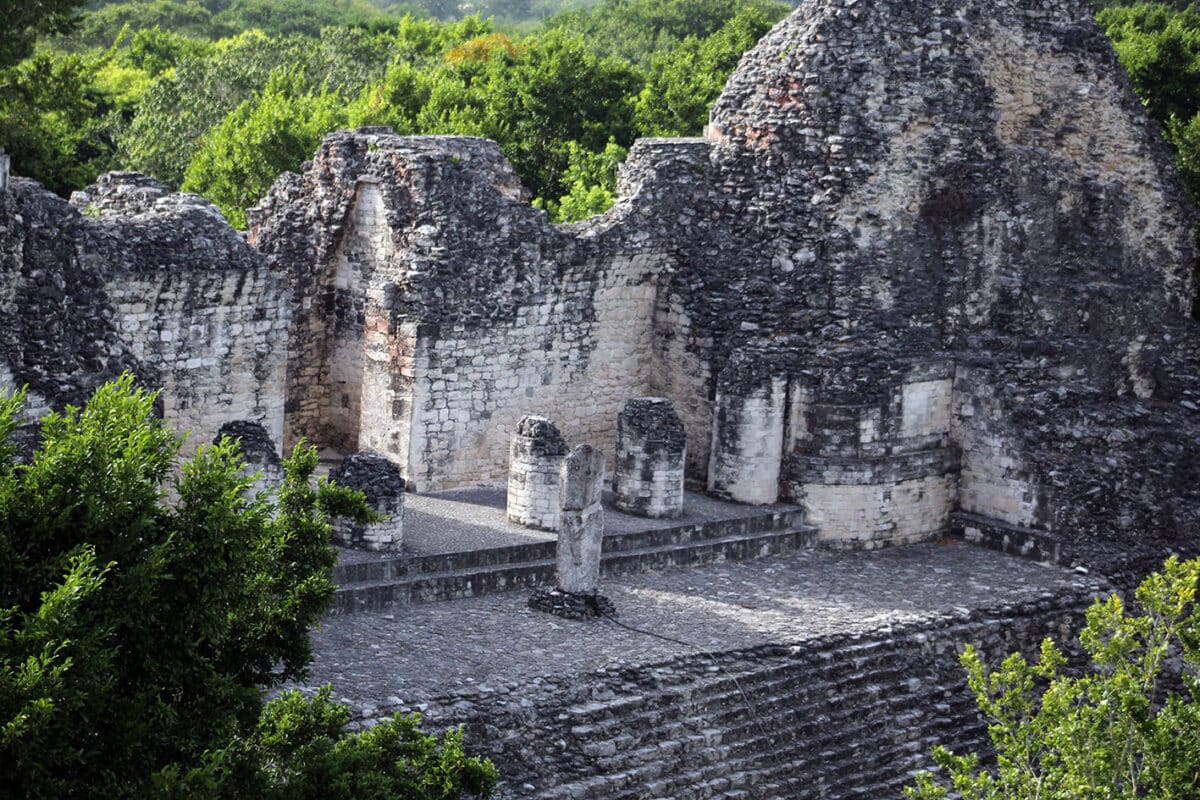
(580, 538)
(379, 479)
(651, 448)
(258, 451)
(4, 167)
(581, 521)
(535, 455)
(747, 443)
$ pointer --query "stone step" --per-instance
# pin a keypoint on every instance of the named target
(726, 753)
(387, 568)
(422, 587)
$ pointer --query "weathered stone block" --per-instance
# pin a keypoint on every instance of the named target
(258, 451)
(581, 525)
(650, 458)
(535, 457)
(747, 443)
(379, 479)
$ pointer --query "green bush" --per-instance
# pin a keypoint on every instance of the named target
(1110, 734)
(146, 606)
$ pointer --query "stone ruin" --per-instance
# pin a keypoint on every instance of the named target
(535, 460)
(258, 454)
(930, 268)
(576, 594)
(380, 482)
(650, 454)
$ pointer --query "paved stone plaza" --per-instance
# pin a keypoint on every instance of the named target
(494, 643)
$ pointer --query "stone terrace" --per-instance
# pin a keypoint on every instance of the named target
(780, 678)
(415, 653)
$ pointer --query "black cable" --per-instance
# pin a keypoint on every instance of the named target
(704, 651)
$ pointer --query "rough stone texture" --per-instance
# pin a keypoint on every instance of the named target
(820, 674)
(535, 459)
(130, 276)
(379, 479)
(747, 433)
(581, 521)
(932, 253)
(651, 452)
(5, 166)
(935, 250)
(570, 605)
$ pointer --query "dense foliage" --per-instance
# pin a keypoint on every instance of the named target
(1112, 733)
(145, 606)
(221, 96)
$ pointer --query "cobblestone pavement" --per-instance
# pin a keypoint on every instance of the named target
(472, 519)
(495, 642)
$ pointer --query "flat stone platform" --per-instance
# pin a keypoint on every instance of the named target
(493, 645)
(463, 520)
(461, 544)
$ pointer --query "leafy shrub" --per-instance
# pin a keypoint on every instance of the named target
(1109, 734)
(146, 605)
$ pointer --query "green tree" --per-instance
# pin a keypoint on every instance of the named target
(146, 605)
(685, 81)
(593, 181)
(1160, 48)
(100, 28)
(183, 106)
(552, 91)
(638, 29)
(56, 118)
(25, 20)
(259, 141)
(283, 17)
(1109, 734)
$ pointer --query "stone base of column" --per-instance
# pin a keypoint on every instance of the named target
(569, 605)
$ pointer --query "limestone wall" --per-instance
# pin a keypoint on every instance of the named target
(477, 311)
(132, 277)
(994, 481)
(197, 308)
(945, 228)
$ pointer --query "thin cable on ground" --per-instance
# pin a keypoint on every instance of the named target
(705, 652)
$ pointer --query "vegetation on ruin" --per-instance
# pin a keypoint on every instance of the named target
(221, 96)
(1127, 728)
(146, 607)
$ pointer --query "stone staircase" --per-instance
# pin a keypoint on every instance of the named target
(409, 579)
(796, 728)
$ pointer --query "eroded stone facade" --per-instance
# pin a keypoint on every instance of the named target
(930, 259)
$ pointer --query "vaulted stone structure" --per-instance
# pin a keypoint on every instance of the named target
(931, 259)
(930, 268)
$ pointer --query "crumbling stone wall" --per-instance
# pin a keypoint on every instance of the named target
(910, 227)
(481, 311)
(945, 232)
(130, 276)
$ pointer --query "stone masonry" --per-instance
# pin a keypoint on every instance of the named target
(582, 520)
(650, 455)
(379, 480)
(130, 276)
(930, 261)
(927, 258)
(535, 461)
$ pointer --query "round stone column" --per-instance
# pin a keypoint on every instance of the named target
(534, 459)
(379, 479)
(747, 443)
(651, 449)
